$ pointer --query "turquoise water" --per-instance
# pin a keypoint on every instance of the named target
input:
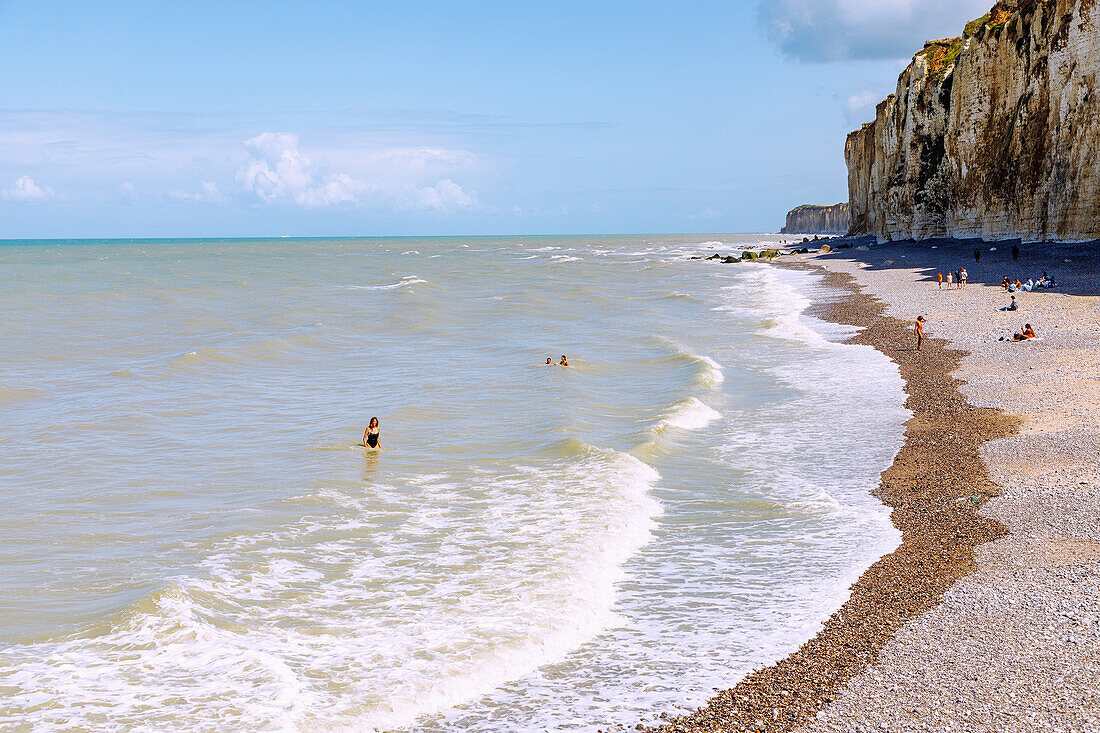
(194, 541)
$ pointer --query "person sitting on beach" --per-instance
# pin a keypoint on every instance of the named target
(1005, 283)
(1018, 285)
(1012, 305)
(564, 361)
(1027, 333)
(920, 331)
(372, 437)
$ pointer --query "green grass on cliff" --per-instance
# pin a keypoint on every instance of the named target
(941, 57)
(991, 21)
(974, 26)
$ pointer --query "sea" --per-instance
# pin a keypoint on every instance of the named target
(193, 537)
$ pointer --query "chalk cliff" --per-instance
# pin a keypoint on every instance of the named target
(995, 134)
(808, 219)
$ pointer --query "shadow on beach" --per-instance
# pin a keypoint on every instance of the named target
(1074, 267)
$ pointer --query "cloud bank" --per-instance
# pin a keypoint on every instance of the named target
(837, 30)
(277, 171)
(25, 189)
(164, 159)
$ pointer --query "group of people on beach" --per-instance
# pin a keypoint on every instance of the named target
(1015, 286)
(956, 278)
(1025, 334)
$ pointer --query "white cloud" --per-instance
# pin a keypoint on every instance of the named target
(860, 107)
(208, 193)
(833, 30)
(446, 196)
(277, 171)
(25, 189)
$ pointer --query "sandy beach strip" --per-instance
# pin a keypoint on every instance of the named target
(987, 618)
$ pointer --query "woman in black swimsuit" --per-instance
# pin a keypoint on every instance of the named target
(372, 438)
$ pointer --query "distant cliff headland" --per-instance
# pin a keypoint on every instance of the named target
(809, 219)
(995, 134)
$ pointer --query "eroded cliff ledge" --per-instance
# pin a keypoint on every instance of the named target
(810, 219)
(993, 135)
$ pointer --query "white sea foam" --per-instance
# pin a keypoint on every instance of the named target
(691, 414)
(406, 281)
(328, 593)
(712, 376)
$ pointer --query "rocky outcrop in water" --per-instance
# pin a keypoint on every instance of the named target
(810, 219)
(994, 134)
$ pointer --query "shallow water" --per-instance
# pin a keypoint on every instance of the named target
(193, 541)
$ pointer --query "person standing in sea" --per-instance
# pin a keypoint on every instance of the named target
(372, 436)
(920, 331)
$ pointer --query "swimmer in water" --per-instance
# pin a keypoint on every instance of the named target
(564, 361)
(372, 438)
(549, 360)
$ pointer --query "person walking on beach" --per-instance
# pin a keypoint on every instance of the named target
(977, 255)
(962, 276)
(372, 437)
(950, 279)
(1015, 252)
(920, 331)
(941, 280)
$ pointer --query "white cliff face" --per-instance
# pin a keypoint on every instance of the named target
(993, 135)
(810, 219)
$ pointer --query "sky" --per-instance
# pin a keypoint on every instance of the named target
(235, 118)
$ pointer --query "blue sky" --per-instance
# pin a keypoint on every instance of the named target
(362, 118)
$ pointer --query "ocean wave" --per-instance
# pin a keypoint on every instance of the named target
(9, 395)
(678, 295)
(691, 414)
(710, 371)
(407, 280)
(512, 574)
(782, 313)
(248, 351)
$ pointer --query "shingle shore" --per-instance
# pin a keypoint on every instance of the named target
(1015, 646)
(935, 487)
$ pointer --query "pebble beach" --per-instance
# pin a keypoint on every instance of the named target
(987, 618)
(1015, 645)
